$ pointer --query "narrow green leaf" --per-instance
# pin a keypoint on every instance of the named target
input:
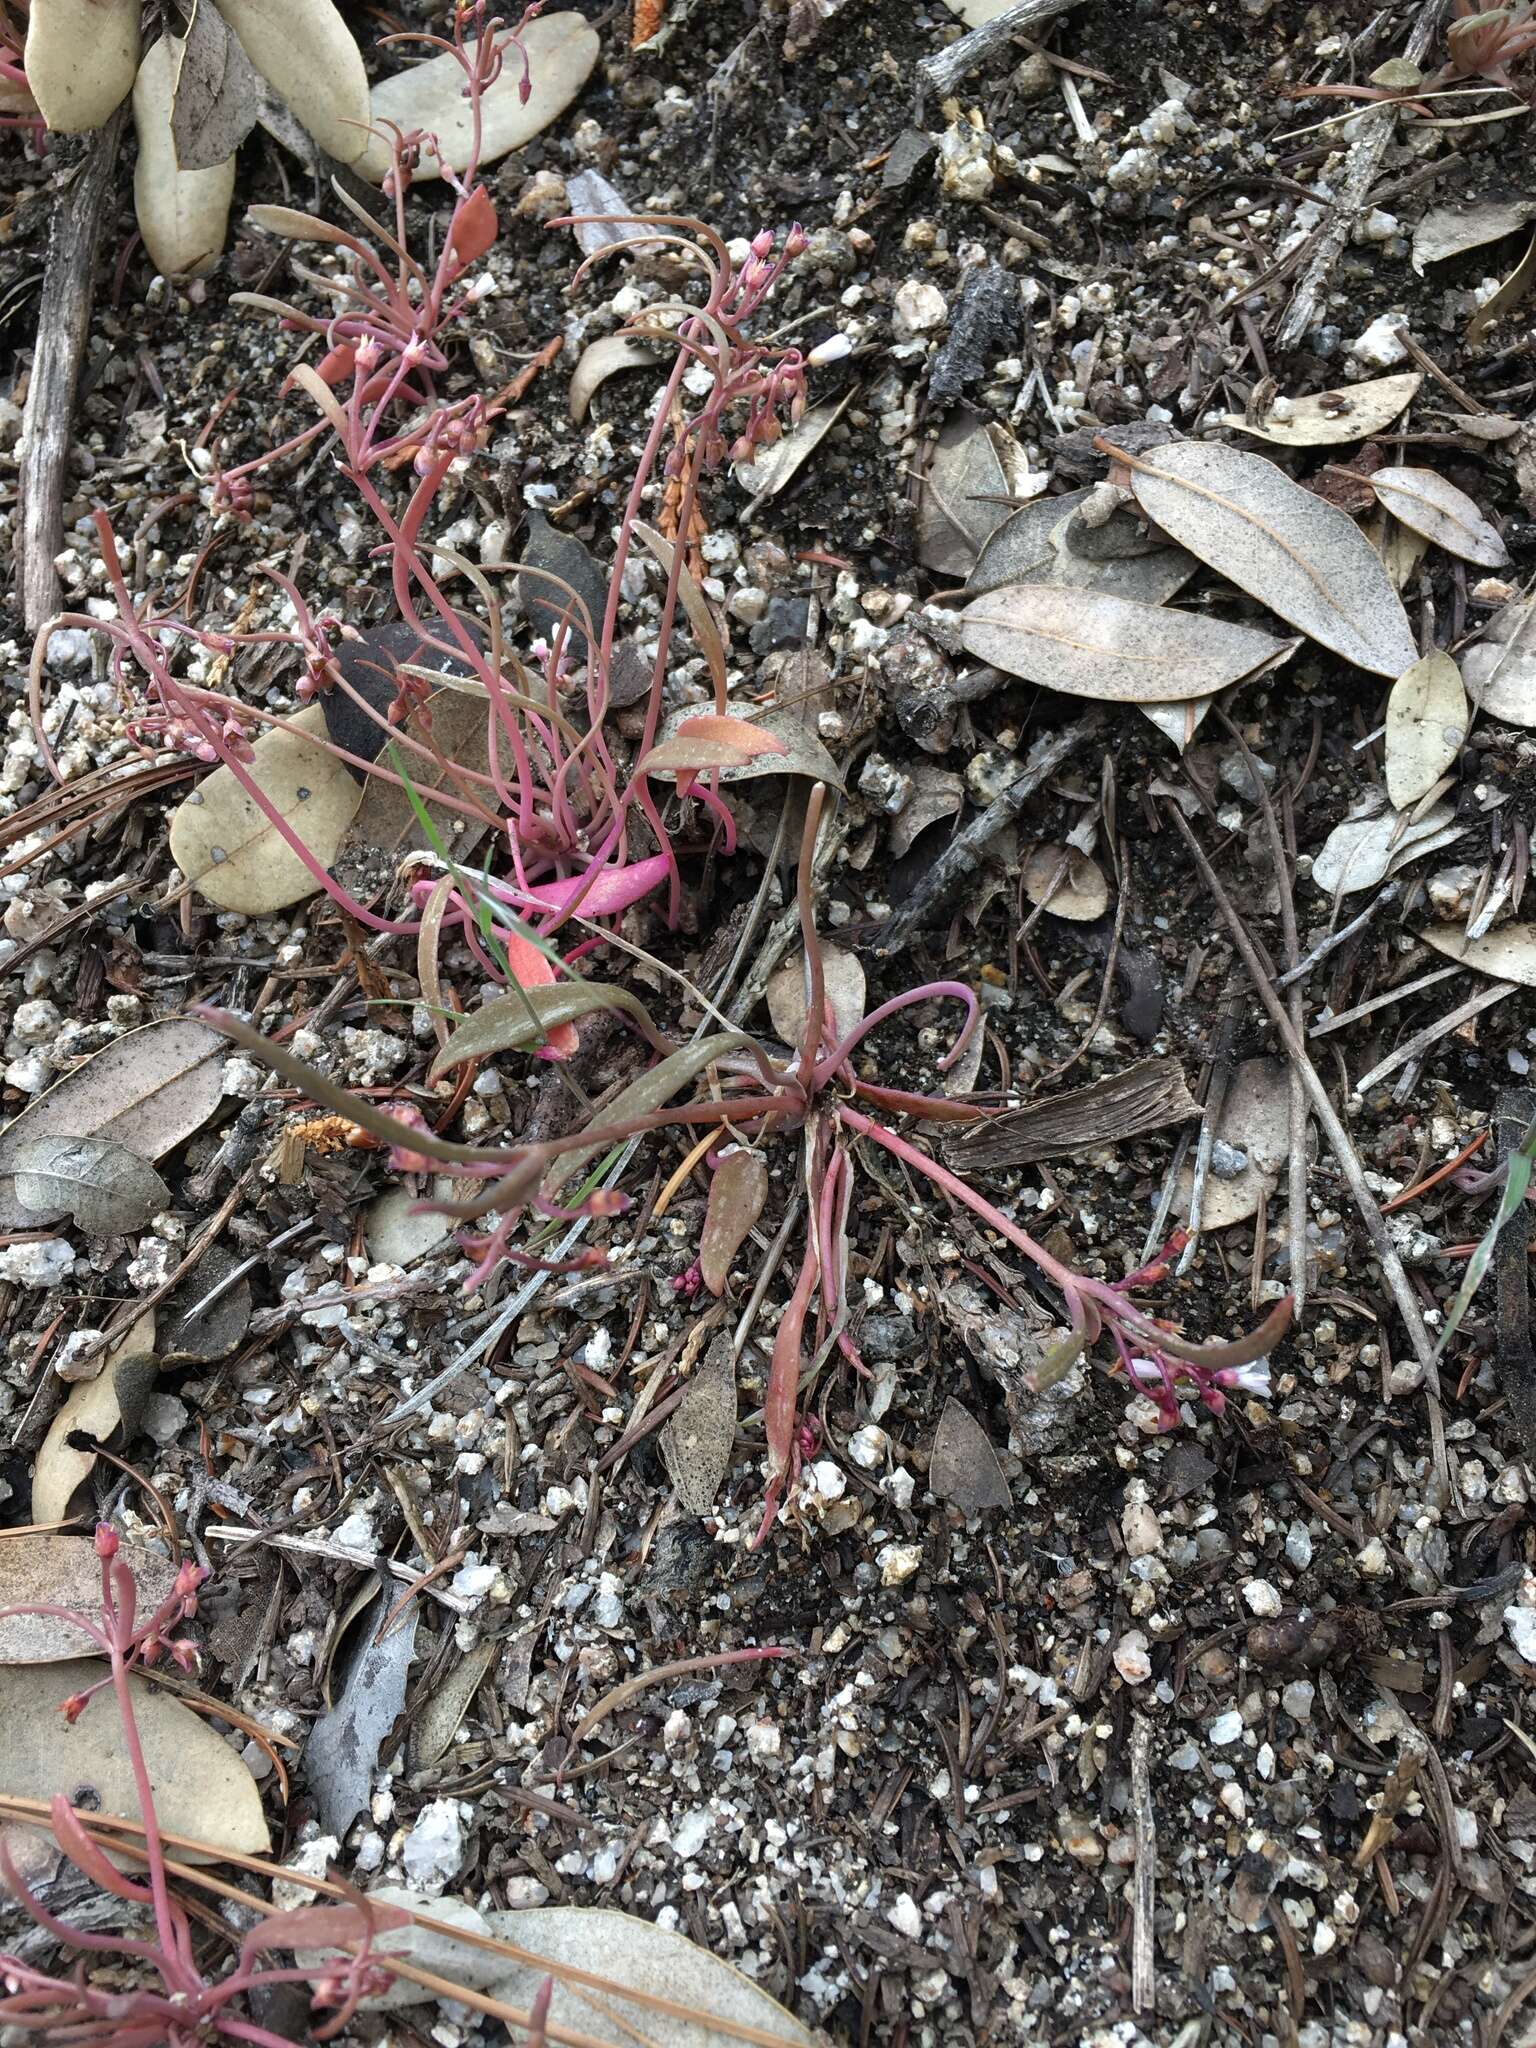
(528, 1016)
(1517, 1181)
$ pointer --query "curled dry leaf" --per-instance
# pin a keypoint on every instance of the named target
(1037, 545)
(1447, 231)
(1066, 883)
(1400, 548)
(775, 466)
(1255, 1121)
(148, 1091)
(972, 469)
(224, 842)
(1507, 297)
(80, 58)
(562, 50)
(697, 1441)
(600, 360)
(1372, 844)
(1325, 418)
(705, 741)
(342, 1752)
(1500, 669)
(962, 1466)
(1424, 501)
(1245, 518)
(845, 986)
(48, 1569)
(737, 1192)
(1112, 650)
(1426, 727)
(109, 1405)
(200, 1786)
(437, 1722)
(936, 793)
(103, 1187)
(1508, 954)
(215, 92)
(182, 215)
(309, 57)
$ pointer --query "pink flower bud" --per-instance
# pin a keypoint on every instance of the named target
(106, 1540)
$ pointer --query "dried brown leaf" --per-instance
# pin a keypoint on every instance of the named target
(44, 1568)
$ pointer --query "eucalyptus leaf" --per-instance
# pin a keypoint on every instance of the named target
(1352, 413)
(1308, 561)
(215, 95)
(1426, 727)
(106, 1188)
(40, 1568)
(737, 1193)
(1424, 501)
(224, 842)
(1500, 669)
(1507, 953)
(601, 359)
(1110, 649)
(698, 1439)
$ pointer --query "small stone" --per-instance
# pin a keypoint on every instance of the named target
(1227, 1161)
(69, 649)
(919, 308)
(1262, 1599)
(1035, 77)
(1135, 171)
(905, 1916)
(965, 162)
(434, 1848)
(869, 1447)
(1379, 347)
(1081, 1841)
(885, 785)
(1139, 1523)
(1297, 1699)
(44, 1262)
(1298, 1545)
(1373, 1562)
(1131, 1659)
(1226, 1729)
(898, 1562)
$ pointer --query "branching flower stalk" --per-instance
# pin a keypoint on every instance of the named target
(186, 2010)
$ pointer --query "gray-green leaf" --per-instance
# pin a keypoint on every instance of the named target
(106, 1188)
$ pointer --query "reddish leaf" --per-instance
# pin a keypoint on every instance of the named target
(532, 969)
(736, 1197)
(337, 364)
(475, 228)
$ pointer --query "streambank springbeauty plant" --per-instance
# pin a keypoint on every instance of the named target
(176, 2006)
(755, 1098)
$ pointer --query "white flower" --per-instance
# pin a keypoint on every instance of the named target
(1249, 1379)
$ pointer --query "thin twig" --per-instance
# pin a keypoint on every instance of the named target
(1393, 1273)
(1361, 168)
(963, 854)
(1144, 1896)
(63, 322)
(1433, 1033)
(941, 73)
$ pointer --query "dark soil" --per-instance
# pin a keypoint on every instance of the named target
(920, 1827)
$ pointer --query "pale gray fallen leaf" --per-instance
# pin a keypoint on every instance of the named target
(182, 215)
(42, 1568)
(962, 1466)
(1506, 954)
(1065, 883)
(148, 1090)
(1426, 727)
(1447, 231)
(845, 987)
(600, 360)
(610, 219)
(1369, 845)
(698, 1438)
(437, 1721)
(936, 793)
(1400, 548)
(215, 95)
(1423, 500)
(1255, 1120)
(771, 468)
(224, 843)
(103, 1186)
(1305, 559)
(1109, 649)
(1035, 545)
(342, 1752)
(200, 1786)
(627, 1951)
(1352, 413)
(395, 1236)
(974, 466)
(1500, 669)
(1507, 297)
(214, 1331)
(1178, 721)
(561, 48)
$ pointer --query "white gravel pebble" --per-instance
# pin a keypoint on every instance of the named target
(1262, 1598)
(1226, 1729)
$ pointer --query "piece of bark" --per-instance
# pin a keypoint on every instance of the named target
(1516, 1361)
(1143, 1098)
(941, 73)
(63, 323)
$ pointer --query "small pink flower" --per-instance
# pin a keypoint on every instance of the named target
(106, 1540)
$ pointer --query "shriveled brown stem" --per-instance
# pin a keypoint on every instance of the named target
(1339, 1139)
(63, 322)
